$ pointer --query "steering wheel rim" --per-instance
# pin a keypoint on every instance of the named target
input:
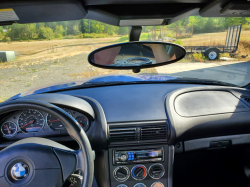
(84, 156)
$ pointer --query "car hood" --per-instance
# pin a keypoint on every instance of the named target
(95, 79)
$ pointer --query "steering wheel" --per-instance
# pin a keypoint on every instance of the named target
(42, 162)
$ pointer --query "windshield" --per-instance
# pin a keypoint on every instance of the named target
(42, 54)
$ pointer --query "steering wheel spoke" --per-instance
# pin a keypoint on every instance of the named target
(67, 161)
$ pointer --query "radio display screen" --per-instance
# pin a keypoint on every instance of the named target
(148, 154)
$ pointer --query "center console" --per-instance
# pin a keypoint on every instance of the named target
(141, 166)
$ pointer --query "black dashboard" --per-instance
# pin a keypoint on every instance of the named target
(135, 129)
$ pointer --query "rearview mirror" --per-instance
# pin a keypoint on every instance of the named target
(136, 55)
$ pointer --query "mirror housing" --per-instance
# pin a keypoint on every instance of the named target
(136, 55)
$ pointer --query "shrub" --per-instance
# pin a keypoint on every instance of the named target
(199, 57)
(179, 42)
(6, 39)
(170, 35)
(144, 36)
(68, 37)
(94, 35)
(58, 36)
(246, 27)
(123, 39)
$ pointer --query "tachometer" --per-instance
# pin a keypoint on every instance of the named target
(9, 129)
(54, 123)
(31, 121)
(83, 122)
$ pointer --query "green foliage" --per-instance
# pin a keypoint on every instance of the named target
(205, 25)
(59, 36)
(179, 42)
(1, 30)
(60, 31)
(123, 39)
(123, 31)
(93, 29)
(246, 27)
(144, 36)
(68, 37)
(93, 35)
(170, 35)
(46, 33)
(199, 57)
(76, 30)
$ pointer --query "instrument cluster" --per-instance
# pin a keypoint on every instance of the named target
(34, 121)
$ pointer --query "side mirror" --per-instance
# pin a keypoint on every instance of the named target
(136, 55)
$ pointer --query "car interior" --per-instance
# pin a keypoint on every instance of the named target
(140, 134)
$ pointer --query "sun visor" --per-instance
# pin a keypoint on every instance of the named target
(42, 11)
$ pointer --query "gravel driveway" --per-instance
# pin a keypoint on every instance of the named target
(14, 80)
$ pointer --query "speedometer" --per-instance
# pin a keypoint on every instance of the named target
(31, 121)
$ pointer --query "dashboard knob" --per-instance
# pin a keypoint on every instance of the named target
(139, 172)
(140, 185)
(121, 173)
(157, 184)
(156, 171)
(122, 185)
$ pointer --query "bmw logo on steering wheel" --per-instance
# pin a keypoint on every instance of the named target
(20, 171)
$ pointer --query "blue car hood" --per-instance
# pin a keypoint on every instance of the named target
(95, 79)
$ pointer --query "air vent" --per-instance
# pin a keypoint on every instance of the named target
(153, 132)
(247, 99)
(122, 134)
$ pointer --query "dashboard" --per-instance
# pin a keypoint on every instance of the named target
(29, 122)
(136, 129)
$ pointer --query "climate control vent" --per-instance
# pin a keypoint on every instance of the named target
(247, 99)
(153, 132)
(122, 134)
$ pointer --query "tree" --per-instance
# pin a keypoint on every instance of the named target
(46, 33)
(60, 31)
(76, 30)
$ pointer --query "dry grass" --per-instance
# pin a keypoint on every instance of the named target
(54, 48)
(37, 52)
(212, 39)
(205, 39)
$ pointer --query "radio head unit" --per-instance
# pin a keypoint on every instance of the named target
(138, 156)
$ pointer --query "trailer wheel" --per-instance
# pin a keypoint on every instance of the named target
(212, 54)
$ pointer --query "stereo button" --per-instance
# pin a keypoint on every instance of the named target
(123, 157)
